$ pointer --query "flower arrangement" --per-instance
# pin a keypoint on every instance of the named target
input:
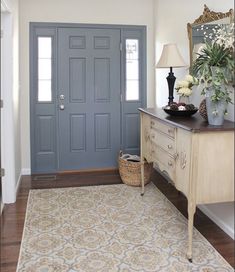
(214, 65)
(184, 87)
(214, 68)
(184, 90)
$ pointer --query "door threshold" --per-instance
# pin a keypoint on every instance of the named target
(92, 171)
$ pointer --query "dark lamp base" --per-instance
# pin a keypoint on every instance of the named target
(171, 82)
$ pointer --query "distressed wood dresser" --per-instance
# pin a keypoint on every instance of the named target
(196, 157)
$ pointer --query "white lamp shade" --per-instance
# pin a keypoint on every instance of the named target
(170, 57)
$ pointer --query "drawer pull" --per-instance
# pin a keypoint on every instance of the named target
(170, 163)
(169, 146)
(153, 136)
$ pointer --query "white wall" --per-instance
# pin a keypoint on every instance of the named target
(10, 132)
(171, 27)
(130, 12)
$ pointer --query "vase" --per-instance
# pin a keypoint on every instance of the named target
(184, 99)
(215, 110)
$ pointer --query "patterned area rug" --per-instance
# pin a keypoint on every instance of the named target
(110, 228)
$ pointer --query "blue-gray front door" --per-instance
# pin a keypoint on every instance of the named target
(88, 98)
(86, 85)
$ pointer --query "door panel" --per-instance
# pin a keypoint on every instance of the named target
(132, 133)
(102, 79)
(45, 143)
(77, 67)
(78, 132)
(89, 79)
(102, 132)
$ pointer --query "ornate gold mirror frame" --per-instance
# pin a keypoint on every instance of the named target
(208, 16)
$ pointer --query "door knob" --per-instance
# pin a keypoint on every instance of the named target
(62, 107)
(61, 96)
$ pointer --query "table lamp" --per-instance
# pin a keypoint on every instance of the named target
(170, 58)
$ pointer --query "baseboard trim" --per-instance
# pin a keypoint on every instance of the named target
(25, 171)
(18, 185)
(2, 206)
(217, 221)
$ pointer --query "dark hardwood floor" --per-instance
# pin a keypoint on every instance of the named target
(12, 219)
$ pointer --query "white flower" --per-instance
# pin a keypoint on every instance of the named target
(184, 91)
(189, 78)
(222, 34)
(192, 81)
(183, 83)
(201, 48)
(184, 87)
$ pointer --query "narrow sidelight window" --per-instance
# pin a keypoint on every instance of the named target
(44, 69)
(132, 69)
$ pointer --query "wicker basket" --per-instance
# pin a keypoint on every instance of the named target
(130, 172)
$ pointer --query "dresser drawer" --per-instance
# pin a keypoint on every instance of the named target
(163, 141)
(168, 130)
(165, 162)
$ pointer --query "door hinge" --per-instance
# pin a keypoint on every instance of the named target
(121, 96)
(120, 46)
(1, 103)
(2, 172)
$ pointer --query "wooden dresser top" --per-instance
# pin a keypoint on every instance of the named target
(193, 123)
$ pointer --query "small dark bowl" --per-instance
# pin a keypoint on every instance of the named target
(182, 113)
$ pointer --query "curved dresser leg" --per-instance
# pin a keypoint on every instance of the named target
(191, 212)
(142, 177)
